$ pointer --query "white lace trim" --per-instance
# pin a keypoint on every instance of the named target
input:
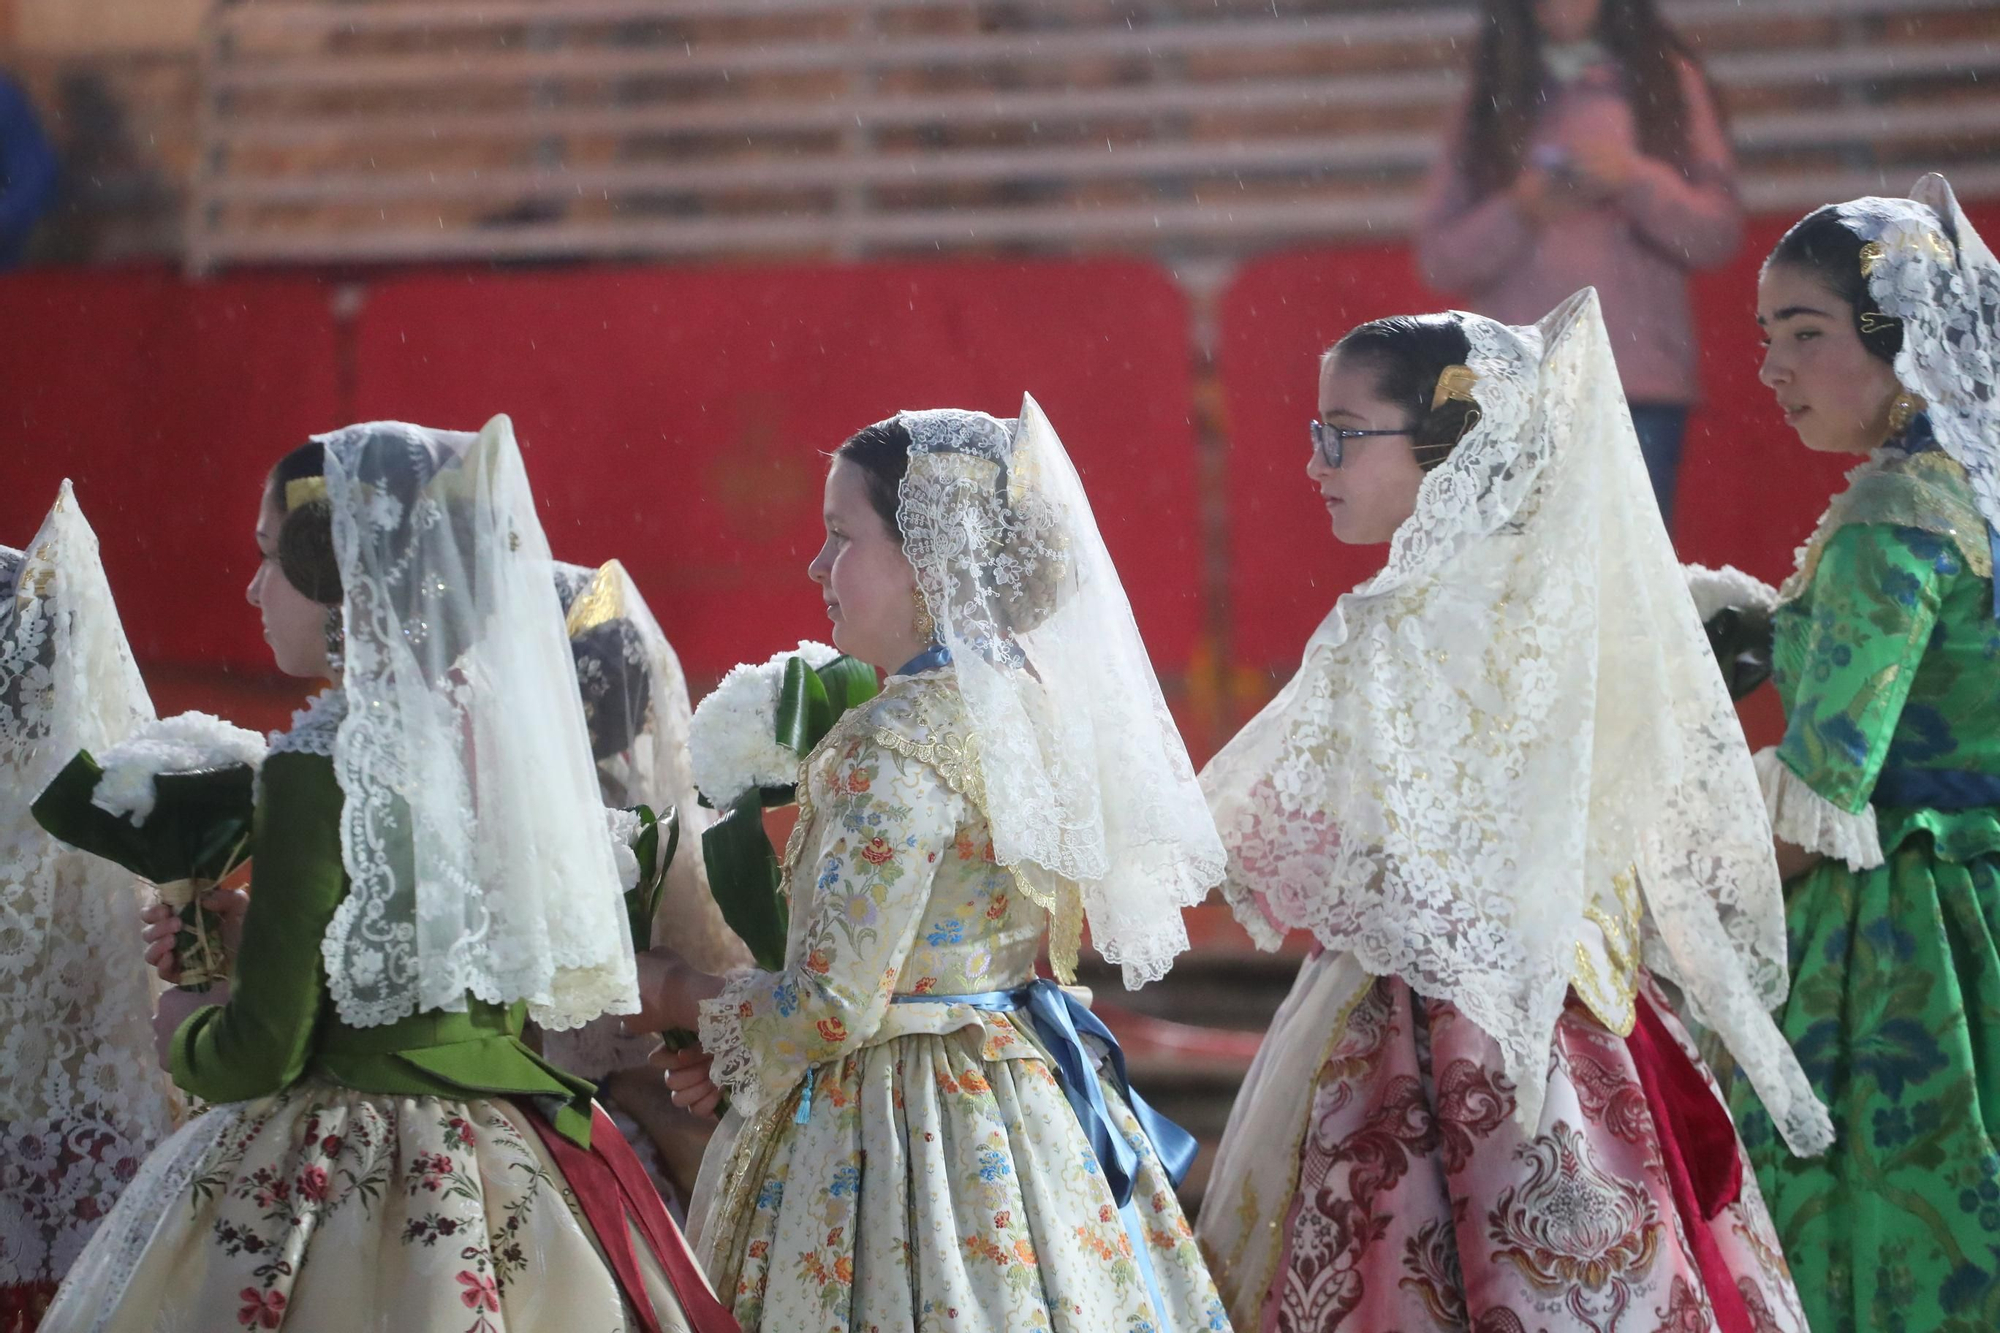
(1520, 709)
(76, 1047)
(722, 1036)
(104, 1271)
(1086, 778)
(313, 727)
(472, 831)
(1804, 818)
(1946, 291)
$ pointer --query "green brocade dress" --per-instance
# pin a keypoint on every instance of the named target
(1887, 659)
(348, 1178)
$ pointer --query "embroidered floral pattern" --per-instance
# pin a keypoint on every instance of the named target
(442, 1203)
(1421, 1204)
(991, 1208)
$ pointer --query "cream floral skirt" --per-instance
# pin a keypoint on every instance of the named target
(323, 1208)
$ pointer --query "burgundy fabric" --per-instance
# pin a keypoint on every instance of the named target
(1698, 1145)
(611, 1186)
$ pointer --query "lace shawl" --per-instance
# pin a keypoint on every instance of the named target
(1518, 711)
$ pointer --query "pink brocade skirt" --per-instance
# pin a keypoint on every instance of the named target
(1422, 1205)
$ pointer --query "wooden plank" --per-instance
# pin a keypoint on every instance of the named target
(1401, 26)
(878, 111)
(489, 68)
(1181, 158)
(1306, 153)
(945, 228)
(1375, 216)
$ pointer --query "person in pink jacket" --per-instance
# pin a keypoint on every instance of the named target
(1590, 151)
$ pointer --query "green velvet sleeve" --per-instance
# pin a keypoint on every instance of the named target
(1874, 602)
(261, 1040)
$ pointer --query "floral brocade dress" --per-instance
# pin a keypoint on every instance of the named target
(1887, 659)
(894, 1159)
(1375, 1176)
(346, 1178)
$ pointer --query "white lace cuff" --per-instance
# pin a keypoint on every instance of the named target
(1803, 817)
(735, 1069)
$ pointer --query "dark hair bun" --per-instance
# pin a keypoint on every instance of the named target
(305, 552)
(305, 535)
(1407, 354)
(616, 682)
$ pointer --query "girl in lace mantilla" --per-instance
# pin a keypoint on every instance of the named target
(1504, 790)
(80, 1102)
(921, 1133)
(635, 708)
(1882, 318)
(382, 1150)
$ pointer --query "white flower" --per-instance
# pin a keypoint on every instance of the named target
(817, 655)
(1716, 590)
(733, 741)
(623, 828)
(181, 744)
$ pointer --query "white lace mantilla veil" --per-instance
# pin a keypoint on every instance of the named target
(1496, 729)
(1089, 790)
(472, 831)
(1926, 266)
(76, 998)
(653, 770)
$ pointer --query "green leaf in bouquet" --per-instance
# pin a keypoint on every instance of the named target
(642, 900)
(804, 712)
(849, 681)
(743, 875)
(195, 836)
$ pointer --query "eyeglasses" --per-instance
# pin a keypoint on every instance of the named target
(1330, 442)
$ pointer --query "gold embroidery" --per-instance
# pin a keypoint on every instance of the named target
(727, 1236)
(603, 601)
(1611, 998)
(1926, 491)
(955, 757)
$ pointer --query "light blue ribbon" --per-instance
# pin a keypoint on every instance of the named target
(1061, 1021)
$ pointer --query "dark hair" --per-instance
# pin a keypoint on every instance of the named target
(882, 452)
(1823, 246)
(305, 533)
(1407, 353)
(1509, 82)
(616, 684)
(612, 672)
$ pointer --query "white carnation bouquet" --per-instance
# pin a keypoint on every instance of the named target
(187, 743)
(733, 742)
(745, 745)
(172, 803)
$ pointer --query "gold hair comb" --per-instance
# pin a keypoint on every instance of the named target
(1454, 382)
(602, 602)
(303, 491)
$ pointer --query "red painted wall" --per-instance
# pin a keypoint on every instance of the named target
(672, 417)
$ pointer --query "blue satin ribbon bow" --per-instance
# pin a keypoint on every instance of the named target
(1062, 1022)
